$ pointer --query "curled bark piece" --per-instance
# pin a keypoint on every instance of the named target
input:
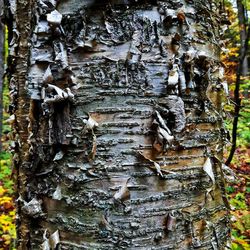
(176, 108)
(61, 55)
(54, 239)
(225, 87)
(104, 223)
(158, 169)
(123, 193)
(196, 242)
(58, 156)
(157, 166)
(57, 195)
(208, 168)
(46, 6)
(11, 119)
(91, 123)
(93, 150)
(42, 28)
(54, 18)
(158, 237)
(45, 245)
(171, 222)
(48, 77)
(43, 54)
(173, 75)
(162, 122)
(55, 94)
(33, 208)
(181, 17)
(173, 79)
(15, 38)
(189, 55)
(182, 80)
(51, 242)
(164, 136)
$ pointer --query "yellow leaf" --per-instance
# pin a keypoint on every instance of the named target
(2, 190)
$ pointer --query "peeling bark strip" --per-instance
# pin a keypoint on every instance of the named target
(118, 124)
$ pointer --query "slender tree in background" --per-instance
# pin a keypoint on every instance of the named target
(243, 23)
(118, 132)
(241, 71)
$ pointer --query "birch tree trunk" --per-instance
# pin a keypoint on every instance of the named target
(118, 124)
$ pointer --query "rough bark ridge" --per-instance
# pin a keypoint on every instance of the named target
(118, 126)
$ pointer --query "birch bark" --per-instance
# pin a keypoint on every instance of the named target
(118, 124)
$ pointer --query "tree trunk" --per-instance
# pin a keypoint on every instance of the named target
(118, 128)
(243, 33)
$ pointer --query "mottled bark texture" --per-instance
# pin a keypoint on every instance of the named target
(118, 128)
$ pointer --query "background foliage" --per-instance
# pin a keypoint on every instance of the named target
(7, 206)
(238, 192)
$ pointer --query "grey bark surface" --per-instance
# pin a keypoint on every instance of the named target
(118, 128)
